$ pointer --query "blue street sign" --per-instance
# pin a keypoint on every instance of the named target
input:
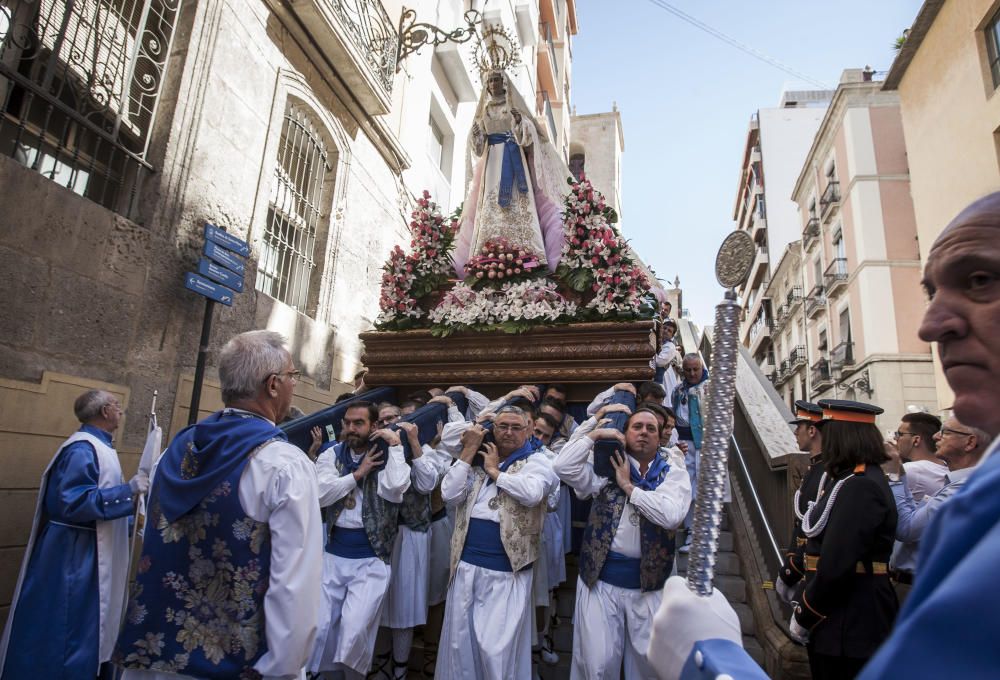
(203, 286)
(224, 257)
(226, 240)
(220, 274)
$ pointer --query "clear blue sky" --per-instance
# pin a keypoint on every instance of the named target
(686, 98)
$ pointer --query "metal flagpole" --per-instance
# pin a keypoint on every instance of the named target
(732, 265)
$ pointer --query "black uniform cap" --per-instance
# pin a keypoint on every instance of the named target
(806, 412)
(849, 411)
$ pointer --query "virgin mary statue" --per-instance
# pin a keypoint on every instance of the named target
(518, 180)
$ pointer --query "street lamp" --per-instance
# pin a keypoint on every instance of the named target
(413, 34)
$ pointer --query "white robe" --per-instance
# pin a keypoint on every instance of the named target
(487, 627)
(612, 624)
(353, 589)
(406, 600)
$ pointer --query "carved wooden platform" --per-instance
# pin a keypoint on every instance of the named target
(585, 356)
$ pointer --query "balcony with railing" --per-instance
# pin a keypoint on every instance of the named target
(815, 301)
(842, 356)
(835, 276)
(360, 43)
(797, 357)
(820, 376)
(830, 198)
(760, 332)
(758, 221)
(793, 299)
(759, 265)
(810, 234)
(783, 373)
(780, 318)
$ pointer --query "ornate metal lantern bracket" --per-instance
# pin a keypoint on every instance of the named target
(861, 383)
(415, 34)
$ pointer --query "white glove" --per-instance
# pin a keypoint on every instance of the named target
(785, 591)
(139, 484)
(798, 633)
(683, 619)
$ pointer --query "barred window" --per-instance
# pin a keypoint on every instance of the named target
(79, 86)
(295, 211)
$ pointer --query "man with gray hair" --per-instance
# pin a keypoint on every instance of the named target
(229, 582)
(68, 601)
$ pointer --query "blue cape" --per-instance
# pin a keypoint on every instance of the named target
(201, 456)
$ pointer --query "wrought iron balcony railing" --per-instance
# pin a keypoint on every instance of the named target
(820, 375)
(842, 355)
(811, 232)
(815, 300)
(373, 34)
(830, 197)
(835, 275)
(797, 357)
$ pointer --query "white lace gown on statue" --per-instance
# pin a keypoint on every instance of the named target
(518, 222)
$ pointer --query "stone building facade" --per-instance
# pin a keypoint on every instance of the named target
(775, 147)
(285, 123)
(861, 301)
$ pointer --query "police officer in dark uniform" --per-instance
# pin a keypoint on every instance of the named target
(808, 422)
(848, 605)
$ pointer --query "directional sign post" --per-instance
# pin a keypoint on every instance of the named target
(219, 278)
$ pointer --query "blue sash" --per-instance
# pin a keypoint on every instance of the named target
(483, 547)
(352, 544)
(512, 168)
(621, 571)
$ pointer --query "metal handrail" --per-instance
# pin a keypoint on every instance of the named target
(756, 500)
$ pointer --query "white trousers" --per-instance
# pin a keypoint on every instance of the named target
(486, 633)
(406, 601)
(609, 623)
(353, 592)
(440, 558)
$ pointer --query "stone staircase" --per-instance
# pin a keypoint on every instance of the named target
(730, 582)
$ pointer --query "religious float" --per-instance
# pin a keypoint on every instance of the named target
(530, 281)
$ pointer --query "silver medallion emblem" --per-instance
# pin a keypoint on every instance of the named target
(350, 503)
(734, 260)
(495, 503)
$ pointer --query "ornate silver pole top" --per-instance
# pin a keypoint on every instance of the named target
(732, 266)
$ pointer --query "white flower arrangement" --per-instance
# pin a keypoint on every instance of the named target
(534, 300)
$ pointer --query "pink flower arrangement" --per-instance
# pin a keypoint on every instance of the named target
(408, 277)
(595, 259)
(499, 261)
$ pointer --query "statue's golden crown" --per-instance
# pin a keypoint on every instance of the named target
(496, 49)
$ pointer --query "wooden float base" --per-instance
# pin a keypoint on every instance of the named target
(588, 357)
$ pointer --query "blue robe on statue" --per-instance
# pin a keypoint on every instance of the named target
(54, 629)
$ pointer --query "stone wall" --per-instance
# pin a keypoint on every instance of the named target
(98, 300)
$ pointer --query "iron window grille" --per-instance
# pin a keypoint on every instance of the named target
(80, 81)
(295, 211)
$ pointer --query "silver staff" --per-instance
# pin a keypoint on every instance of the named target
(732, 266)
